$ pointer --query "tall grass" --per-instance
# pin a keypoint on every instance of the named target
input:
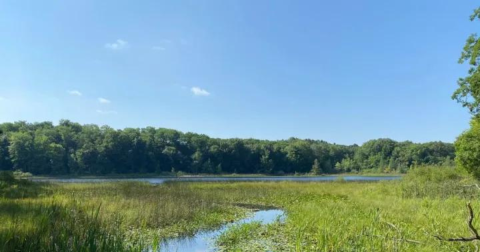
(34, 220)
(105, 217)
(438, 182)
(154, 207)
(336, 216)
(387, 216)
(54, 227)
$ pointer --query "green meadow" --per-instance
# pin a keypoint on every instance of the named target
(403, 215)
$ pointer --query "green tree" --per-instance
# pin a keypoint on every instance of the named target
(347, 165)
(468, 91)
(266, 163)
(87, 159)
(468, 94)
(218, 169)
(5, 162)
(55, 154)
(71, 148)
(316, 170)
(208, 167)
(197, 164)
(21, 151)
(468, 149)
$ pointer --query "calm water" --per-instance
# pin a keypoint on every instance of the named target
(204, 241)
(220, 179)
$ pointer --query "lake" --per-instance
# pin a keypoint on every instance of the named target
(219, 179)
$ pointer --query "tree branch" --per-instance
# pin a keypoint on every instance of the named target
(473, 230)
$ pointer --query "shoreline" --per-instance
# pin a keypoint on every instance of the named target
(169, 176)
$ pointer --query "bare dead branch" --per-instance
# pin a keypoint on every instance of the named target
(473, 230)
(470, 221)
(459, 239)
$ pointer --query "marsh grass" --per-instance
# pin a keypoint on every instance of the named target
(107, 217)
(335, 216)
(145, 206)
(39, 226)
(438, 182)
(12, 187)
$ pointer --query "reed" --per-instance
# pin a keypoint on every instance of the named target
(334, 216)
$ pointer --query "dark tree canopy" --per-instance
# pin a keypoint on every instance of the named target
(71, 148)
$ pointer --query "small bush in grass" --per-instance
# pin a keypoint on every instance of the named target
(437, 182)
(21, 175)
(433, 174)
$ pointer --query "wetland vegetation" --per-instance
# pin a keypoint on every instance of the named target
(402, 215)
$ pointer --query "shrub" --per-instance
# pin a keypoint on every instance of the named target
(437, 182)
(467, 149)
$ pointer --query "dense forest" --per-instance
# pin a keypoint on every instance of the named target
(71, 148)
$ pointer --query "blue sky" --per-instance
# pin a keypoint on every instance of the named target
(343, 71)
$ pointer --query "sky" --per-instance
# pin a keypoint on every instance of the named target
(344, 71)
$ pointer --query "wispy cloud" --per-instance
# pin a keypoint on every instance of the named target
(199, 92)
(2, 99)
(104, 101)
(158, 48)
(107, 112)
(75, 92)
(118, 45)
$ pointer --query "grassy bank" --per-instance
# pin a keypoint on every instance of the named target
(335, 216)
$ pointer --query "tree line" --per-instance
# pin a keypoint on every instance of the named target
(70, 148)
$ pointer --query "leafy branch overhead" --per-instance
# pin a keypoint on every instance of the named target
(468, 92)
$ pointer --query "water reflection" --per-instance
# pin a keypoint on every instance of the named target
(219, 179)
(204, 241)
